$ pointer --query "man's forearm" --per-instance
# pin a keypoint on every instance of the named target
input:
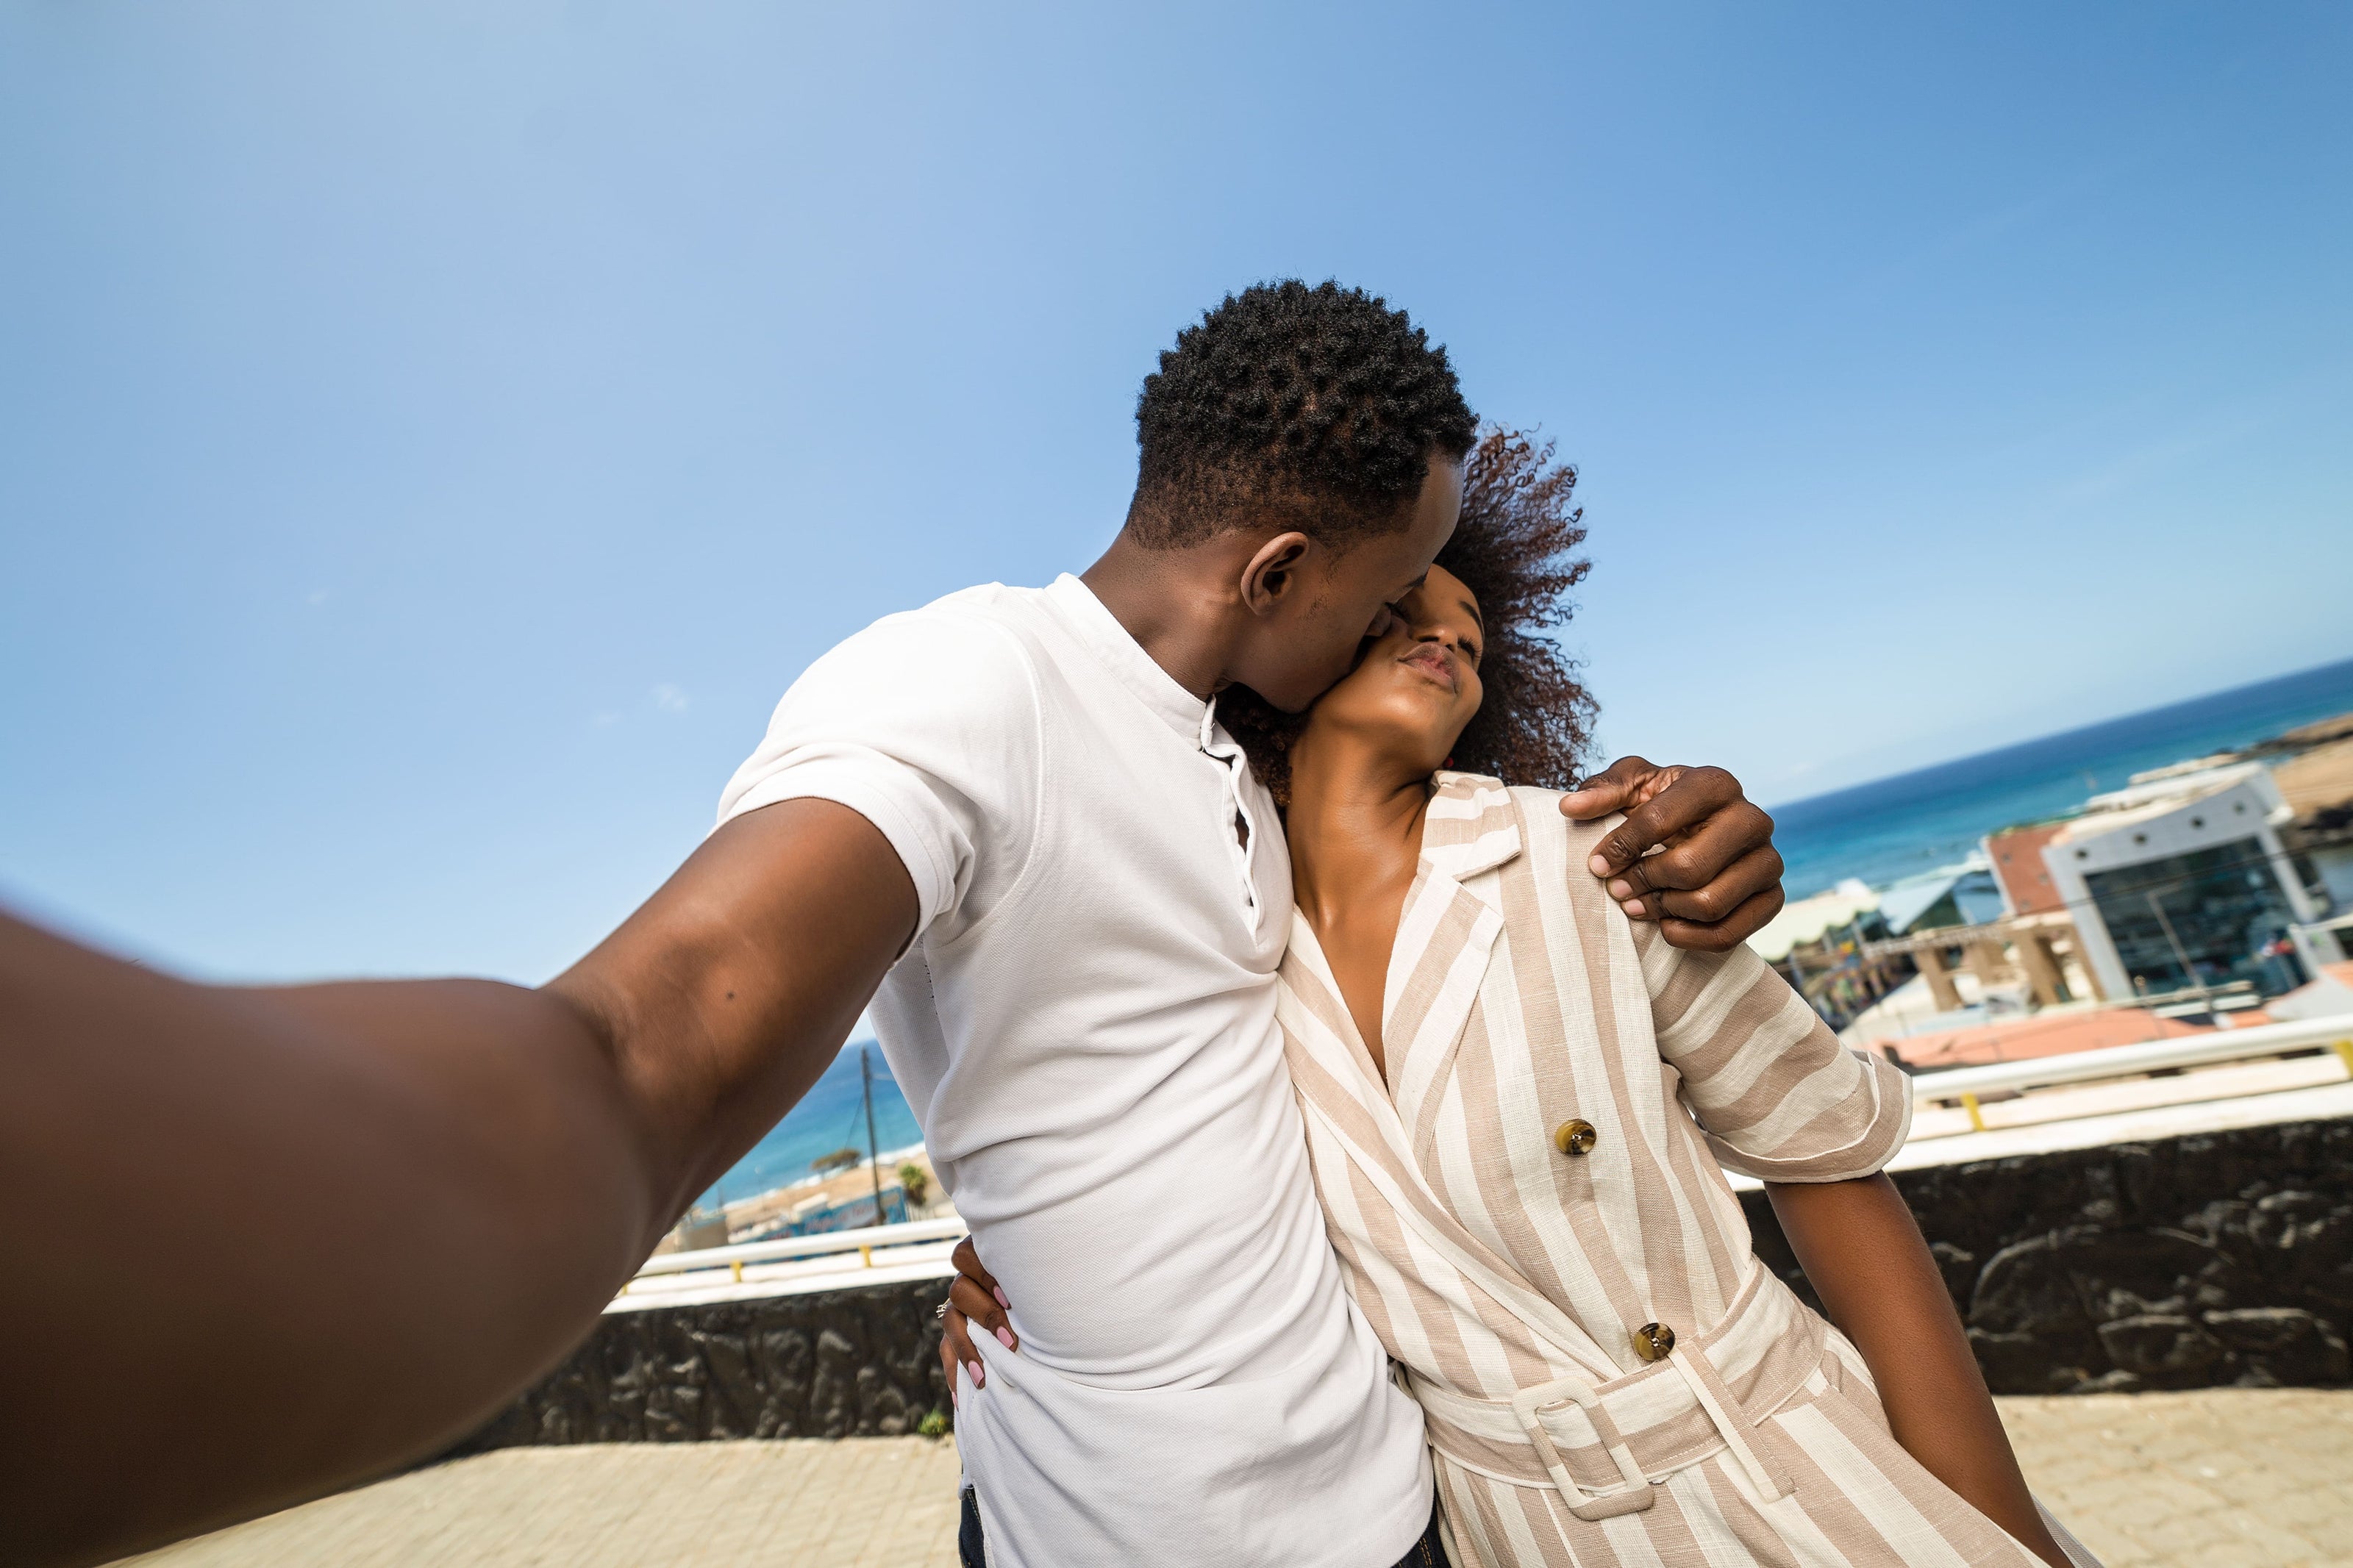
(1860, 1247)
(264, 1242)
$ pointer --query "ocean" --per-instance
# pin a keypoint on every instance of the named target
(1878, 832)
(831, 1116)
(1918, 821)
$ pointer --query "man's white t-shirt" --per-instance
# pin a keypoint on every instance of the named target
(1085, 1024)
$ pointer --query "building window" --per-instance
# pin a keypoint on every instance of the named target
(2219, 911)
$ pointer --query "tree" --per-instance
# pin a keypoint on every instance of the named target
(916, 1181)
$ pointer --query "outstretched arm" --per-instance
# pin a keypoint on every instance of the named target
(1859, 1245)
(264, 1242)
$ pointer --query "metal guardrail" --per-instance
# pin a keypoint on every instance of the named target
(865, 1242)
(2129, 1061)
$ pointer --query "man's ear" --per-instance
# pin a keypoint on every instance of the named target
(1273, 574)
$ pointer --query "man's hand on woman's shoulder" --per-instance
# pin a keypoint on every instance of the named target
(1715, 878)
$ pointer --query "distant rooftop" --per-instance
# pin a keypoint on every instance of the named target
(2320, 780)
(2290, 756)
(2178, 770)
(2169, 787)
(1802, 923)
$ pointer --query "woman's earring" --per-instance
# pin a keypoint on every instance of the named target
(1449, 763)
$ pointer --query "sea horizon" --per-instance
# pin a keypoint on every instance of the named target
(1877, 831)
(1889, 827)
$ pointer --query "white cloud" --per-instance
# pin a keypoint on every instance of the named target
(670, 698)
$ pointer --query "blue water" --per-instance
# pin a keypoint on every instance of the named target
(830, 1116)
(1918, 821)
(1879, 832)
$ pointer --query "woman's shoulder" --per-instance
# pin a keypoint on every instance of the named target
(1534, 811)
(1523, 832)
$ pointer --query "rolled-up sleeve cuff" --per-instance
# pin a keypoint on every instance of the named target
(1882, 1138)
(900, 811)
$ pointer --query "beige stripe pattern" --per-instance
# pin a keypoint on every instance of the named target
(1507, 1277)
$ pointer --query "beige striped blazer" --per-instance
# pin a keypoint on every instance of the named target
(1533, 1216)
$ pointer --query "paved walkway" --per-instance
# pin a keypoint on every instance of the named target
(2218, 1478)
(863, 1503)
(2223, 1477)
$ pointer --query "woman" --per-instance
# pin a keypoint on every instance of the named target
(1518, 1101)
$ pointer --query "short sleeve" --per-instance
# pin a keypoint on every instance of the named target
(927, 725)
(1778, 1098)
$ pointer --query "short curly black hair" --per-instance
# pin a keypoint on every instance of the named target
(1516, 549)
(1320, 404)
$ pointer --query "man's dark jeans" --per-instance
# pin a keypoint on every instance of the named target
(1427, 1553)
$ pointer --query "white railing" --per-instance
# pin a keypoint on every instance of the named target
(866, 1243)
(2128, 1061)
(1965, 1085)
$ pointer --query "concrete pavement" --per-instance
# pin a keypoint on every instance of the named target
(2221, 1477)
(2214, 1478)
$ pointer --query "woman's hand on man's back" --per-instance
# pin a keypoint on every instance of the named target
(974, 1300)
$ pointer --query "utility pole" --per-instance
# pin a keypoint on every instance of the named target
(2189, 975)
(873, 1160)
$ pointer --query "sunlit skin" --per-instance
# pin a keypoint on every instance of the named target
(1360, 784)
(1360, 773)
(1283, 614)
(395, 1202)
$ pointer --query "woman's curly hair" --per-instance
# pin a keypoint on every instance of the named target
(1516, 548)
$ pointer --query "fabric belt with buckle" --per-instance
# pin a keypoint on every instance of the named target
(1605, 1445)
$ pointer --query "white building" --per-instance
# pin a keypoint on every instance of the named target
(2181, 882)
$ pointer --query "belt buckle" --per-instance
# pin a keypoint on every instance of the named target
(1585, 1505)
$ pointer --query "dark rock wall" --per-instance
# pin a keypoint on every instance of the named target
(846, 1364)
(2222, 1258)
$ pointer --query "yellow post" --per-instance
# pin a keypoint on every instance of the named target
(867, 1253)
(738, 1267)
(2344, 1049)
(1969, 1104)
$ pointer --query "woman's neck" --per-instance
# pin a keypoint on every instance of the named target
(1354, 824)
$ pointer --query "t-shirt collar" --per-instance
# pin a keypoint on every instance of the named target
(1121, 654)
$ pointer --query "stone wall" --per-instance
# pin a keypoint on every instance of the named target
(844, 1363)
(2224, 1259)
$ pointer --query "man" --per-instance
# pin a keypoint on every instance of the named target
(1011, 820)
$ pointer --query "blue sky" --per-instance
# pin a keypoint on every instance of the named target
(432, 436)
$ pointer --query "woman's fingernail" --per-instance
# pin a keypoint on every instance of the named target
(998, 1292)
(972, 1370)
(1634, 908)
(1005, 1338)
(1599, 865)
(1619, 887)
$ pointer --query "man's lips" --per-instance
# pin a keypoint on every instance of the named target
(1431, 660)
